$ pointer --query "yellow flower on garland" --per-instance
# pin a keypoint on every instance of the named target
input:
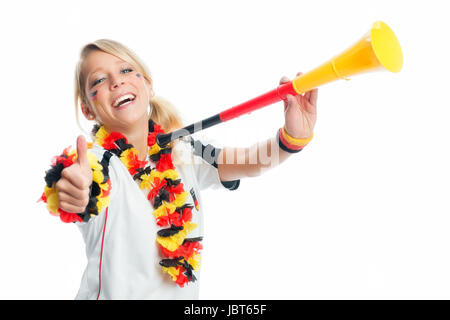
(180, 199)
(194, 261)
(170, 174)
(102, 202)
(173, 242)
(126, 156)
(48, 191)
(154, 149)
(52, 200)
(145, 181)
(97, 176)
(101, 135)
(72, 152)
(162, 210)
(105, 186)
(93, 161)
(172, 271)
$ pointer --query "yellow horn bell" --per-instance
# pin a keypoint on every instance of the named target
(379, 49)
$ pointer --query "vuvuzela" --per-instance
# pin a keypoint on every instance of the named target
(379, 49)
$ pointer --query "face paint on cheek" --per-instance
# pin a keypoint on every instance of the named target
(93, 95)
(138, 75)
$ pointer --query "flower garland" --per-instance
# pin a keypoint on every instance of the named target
(168, 198)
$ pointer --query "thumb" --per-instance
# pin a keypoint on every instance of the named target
(82, 159)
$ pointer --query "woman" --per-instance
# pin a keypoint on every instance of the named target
(110, 190)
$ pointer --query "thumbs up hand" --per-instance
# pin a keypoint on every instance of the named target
(73, 187)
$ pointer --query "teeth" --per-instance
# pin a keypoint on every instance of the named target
(122, 98)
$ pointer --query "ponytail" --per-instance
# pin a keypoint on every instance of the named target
(164, 114)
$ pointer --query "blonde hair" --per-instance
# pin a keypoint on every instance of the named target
(162, 111)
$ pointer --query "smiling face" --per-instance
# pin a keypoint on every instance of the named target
(118, 94)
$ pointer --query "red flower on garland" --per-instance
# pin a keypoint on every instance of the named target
(157, 129)
(68, 217)
(43, 198)
(66, 162)
(165, 162)
(186, 215)
(163, 221)
(151, 139)
(110, 140)
(64, 158)
(175, 218)
(107, 191)
(158, 184)
(186, 250)
(179, 219)
(176, 189)
(181, 279)
(135, 163)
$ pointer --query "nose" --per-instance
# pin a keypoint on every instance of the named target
(116, 82)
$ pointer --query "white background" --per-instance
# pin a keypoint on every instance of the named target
(361, 213)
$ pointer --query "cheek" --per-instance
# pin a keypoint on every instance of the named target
(98, 100)
(136, 80)
(139, 82)
(99, 97)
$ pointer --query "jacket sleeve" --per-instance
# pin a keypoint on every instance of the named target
(205, 165)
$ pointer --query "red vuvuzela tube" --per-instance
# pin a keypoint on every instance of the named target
(259, 102)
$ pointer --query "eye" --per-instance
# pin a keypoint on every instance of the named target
(127, 70)
(97, 82)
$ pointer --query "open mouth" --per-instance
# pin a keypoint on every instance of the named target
(124, 100)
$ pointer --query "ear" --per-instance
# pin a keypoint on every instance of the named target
(150, 88)
(86, 112)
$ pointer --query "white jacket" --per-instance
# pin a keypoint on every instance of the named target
(122, 253)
